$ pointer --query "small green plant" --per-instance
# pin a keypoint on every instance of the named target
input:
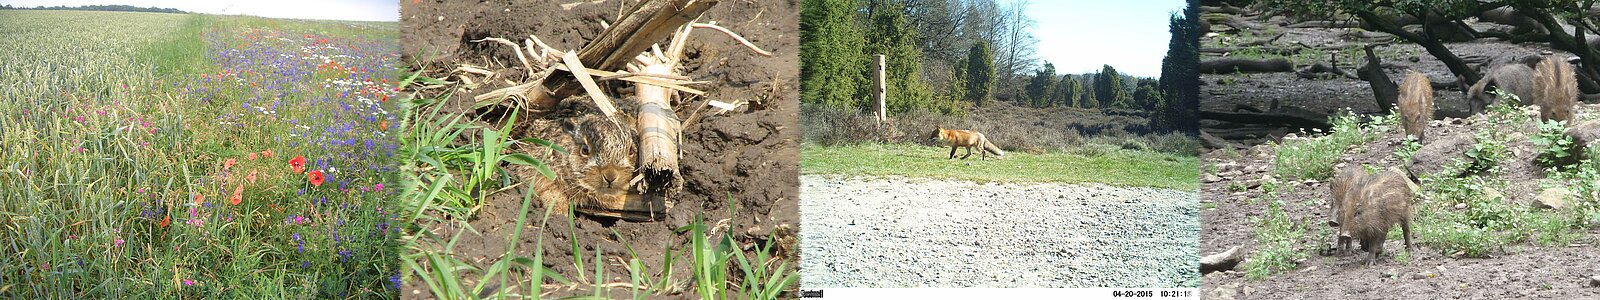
(1554, 145)
(1403, 256)
(1487, 152)
(1390, 120)
(1506, 114)
(1465, 219)
(1407, 149)
(712, 259)
(1270, 187)
(1236, 187)
(1313, 158)
(429, 139)
(1278, 241)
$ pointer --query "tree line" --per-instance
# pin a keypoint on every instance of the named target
(946, 56)
(101, 8)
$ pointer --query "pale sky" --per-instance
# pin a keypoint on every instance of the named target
(354, 10)
(1079, 36)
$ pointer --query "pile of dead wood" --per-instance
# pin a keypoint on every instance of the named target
(628, 51)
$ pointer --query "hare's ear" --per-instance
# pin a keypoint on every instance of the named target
(579, 140)
(569, 127)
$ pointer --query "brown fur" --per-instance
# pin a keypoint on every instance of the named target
(965, 138)
(1557, 89)
(1370, 206)
(1513, 78)
(1343, 187)
(1416, 104)
(598, 168)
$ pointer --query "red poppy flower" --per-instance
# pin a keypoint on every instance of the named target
(199, 199)
(251, 177)
(383, 125)
(252, 156)
(298, 163)
(238, 195)
(228, 164)
(267, 153)
(315, 177)
(166, 221)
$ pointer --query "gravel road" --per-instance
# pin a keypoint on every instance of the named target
(913, 232)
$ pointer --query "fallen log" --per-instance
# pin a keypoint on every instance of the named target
(1287, 117)
(1325, 24)
(1230, 65)
(1315, 70)
(1282, 51)
(1214, 142)
(1224, 261)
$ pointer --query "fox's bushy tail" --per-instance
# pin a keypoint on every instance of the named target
(991, 148)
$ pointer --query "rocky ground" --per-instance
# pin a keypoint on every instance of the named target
(913, 232)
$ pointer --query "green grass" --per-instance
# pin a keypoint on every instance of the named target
(183, 51)
(102, 158)
(1114, 167)
(1278, 243)
(1314, 158)
(434, 151)
(1488, 225)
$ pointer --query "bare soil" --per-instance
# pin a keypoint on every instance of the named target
(749, 156)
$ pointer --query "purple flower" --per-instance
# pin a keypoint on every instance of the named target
(300, 246)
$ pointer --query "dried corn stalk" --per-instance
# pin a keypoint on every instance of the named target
(659, 127)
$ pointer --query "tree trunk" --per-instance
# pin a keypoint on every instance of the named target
(1560, 39)
(880, 89)
(1294, 119)
(1229, 65)
(1383, 89)
(1434, 47)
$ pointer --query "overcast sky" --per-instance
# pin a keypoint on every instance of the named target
(356, 10)
(1079, 36)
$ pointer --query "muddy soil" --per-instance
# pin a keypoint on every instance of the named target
(1329, 95)
(748, 156)
(916, 232)
(1232, 195)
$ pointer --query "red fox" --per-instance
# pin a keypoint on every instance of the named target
(965, 138)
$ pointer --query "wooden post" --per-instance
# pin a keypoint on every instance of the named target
(880, 89)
